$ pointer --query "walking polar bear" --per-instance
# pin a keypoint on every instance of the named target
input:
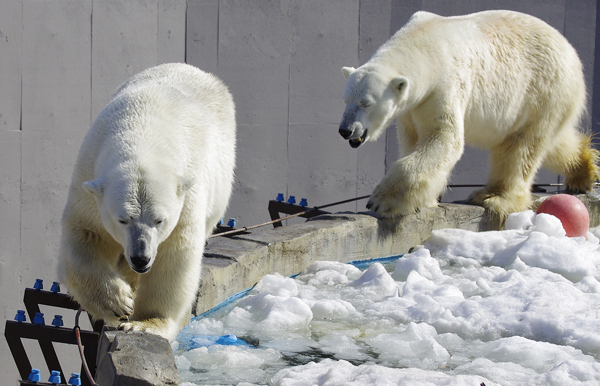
(499, 80)
(152, 179)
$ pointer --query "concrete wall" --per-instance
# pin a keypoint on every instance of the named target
(60, 60)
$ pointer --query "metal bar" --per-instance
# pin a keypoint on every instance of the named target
(50, 333)
(50, 357)
(15, 331)
(48, 298)
(274, 213)
(277, 207)
(17, 349)
(32, 299)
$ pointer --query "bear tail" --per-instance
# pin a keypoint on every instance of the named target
(584, 172)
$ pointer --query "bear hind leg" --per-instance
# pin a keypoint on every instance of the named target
(513, 166)
(574, 158)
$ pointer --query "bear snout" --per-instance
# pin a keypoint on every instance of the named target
(351, 130)
(141, 247)
(140, 263)
(345, 131)
(350, 125)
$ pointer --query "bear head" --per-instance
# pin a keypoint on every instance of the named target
(373, 100)
(139, 213)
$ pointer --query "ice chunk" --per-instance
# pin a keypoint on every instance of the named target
(419, 261)
(549, 225)
(377, 279)
(520, 220)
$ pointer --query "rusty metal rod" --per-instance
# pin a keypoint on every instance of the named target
(244, 229)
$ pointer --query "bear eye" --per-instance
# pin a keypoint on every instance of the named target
(158, 222)
(121, 221)
(364, 104)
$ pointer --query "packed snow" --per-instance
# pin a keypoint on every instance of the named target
(513, 307)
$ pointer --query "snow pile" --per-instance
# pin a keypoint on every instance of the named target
(513, 307)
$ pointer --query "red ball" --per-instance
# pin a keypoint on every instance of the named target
(571, 212)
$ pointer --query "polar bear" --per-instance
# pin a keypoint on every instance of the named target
(152, 179)
(499, 80)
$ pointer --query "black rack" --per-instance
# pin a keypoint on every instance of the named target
(15, 331)
(277, 207)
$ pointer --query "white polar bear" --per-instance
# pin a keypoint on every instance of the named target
(152, 179)
(499, 80)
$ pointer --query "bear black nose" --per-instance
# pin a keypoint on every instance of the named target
(345, 132)
(140, 263)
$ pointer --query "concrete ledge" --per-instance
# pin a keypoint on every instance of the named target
(232, 265)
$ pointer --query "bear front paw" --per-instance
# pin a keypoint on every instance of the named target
(381, 205)
(388, 200)
(133, 326)
(114, 302)
(157, 326)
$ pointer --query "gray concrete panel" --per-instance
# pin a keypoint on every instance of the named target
(253, 59)
(325, 38)
(56, 114)
(10, 238)
(261, 171)
(322, 170)
(10, 169)
(124, 42)
(202, 34)
(580, 19)
(402, 10)
(48, 158)
(56, 62)
(10, 65)
(171, 31)
(375, 19)
(455, 8)
(550, 11)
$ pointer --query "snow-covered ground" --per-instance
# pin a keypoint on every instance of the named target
(513, 307)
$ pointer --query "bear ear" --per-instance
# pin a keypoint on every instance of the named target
(95, 187)
(401, 85)
(346, 71)
(185, 184)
